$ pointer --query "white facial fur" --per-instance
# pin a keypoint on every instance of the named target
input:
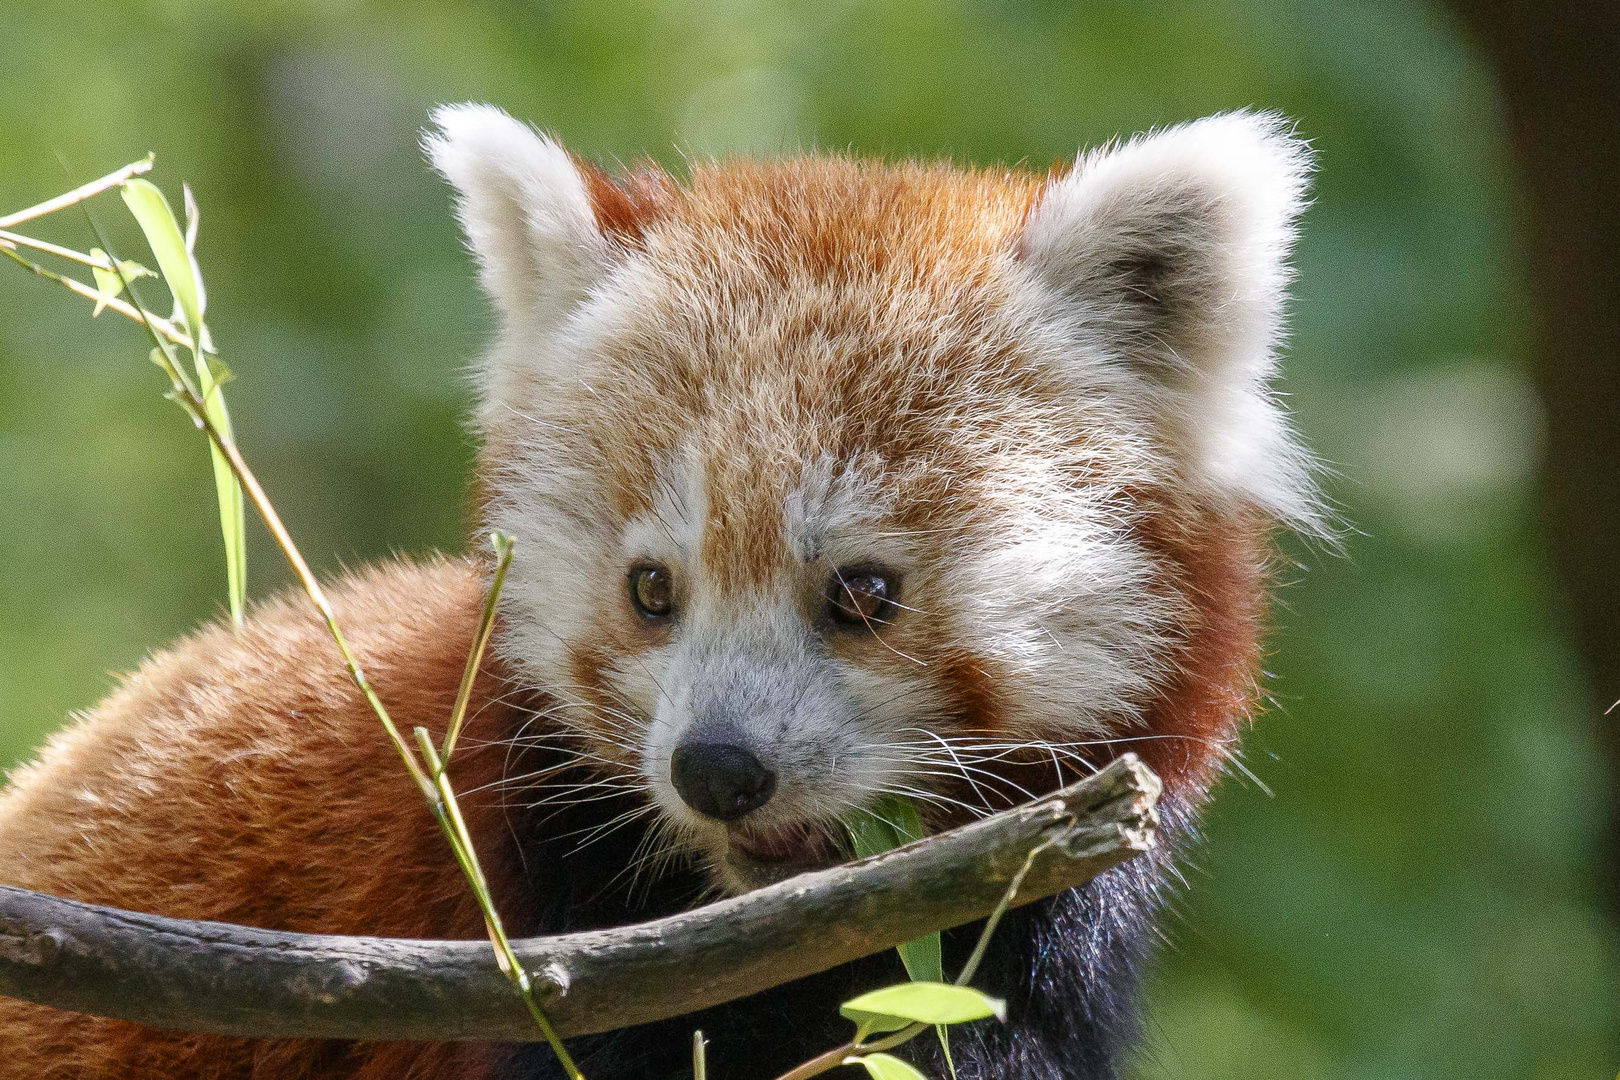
(1150, 279)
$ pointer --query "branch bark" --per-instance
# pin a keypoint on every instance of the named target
(235, 980)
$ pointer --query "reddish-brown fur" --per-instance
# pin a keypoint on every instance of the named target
(1193, 725)
(625, 207)
(243, 779)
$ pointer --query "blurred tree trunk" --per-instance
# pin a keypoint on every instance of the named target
(1559, 67)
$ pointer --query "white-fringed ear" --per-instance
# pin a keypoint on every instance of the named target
(1170, 252)
(524, 208)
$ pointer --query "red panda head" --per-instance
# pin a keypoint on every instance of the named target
(832, 478)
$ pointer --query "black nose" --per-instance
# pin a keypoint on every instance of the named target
(720, 780)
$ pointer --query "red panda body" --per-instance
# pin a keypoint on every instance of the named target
(829, 479)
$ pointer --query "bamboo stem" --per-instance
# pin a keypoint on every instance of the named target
(19, 240)
(163, 326)
(78, 194)
(486, 626)
(436, 791)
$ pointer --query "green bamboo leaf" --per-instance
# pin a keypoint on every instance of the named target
(110, 283)
(886, 1067)
(893, 1007)
(923, 957)
(168, 245)
(232, 505)
(892, 821)
(174, 252)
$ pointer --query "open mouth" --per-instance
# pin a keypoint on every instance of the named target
(780, 851)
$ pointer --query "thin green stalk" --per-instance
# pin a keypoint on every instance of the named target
(436, 791)
(448, 812)
(156, 322)
(191, 399)
(113, 179)
(55, 249)
(306, 577)
(486, 626)
(971, 968)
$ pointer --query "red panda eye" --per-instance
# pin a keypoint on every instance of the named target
(651, 591)
(862, 596)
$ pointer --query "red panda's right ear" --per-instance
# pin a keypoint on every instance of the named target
(525, 208)
(1168, 254)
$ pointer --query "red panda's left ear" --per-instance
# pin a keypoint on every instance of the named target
(526, 210)
(1169, 253)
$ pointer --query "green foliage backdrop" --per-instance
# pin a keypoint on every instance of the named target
(1415, 897)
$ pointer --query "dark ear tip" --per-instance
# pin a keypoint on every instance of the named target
(1145, 277)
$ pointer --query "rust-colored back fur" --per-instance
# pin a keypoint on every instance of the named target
(243, 779)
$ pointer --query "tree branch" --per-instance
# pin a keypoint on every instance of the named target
(235, 980)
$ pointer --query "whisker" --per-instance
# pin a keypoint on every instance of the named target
(851, 593)
(965, 772)
(592, 833)
(934, 798)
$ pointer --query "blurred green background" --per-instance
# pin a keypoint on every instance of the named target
(1416, 896)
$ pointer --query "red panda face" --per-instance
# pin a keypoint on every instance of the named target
(831, 479)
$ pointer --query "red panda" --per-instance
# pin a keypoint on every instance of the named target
(829, 478)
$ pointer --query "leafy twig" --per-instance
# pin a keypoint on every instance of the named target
(859, 1047)
(163, 326)
(436, 789)
(19, 240)
(454, 826)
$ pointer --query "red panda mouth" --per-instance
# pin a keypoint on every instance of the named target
(799, 846)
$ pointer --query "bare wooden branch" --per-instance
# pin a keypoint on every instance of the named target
(219, 978)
